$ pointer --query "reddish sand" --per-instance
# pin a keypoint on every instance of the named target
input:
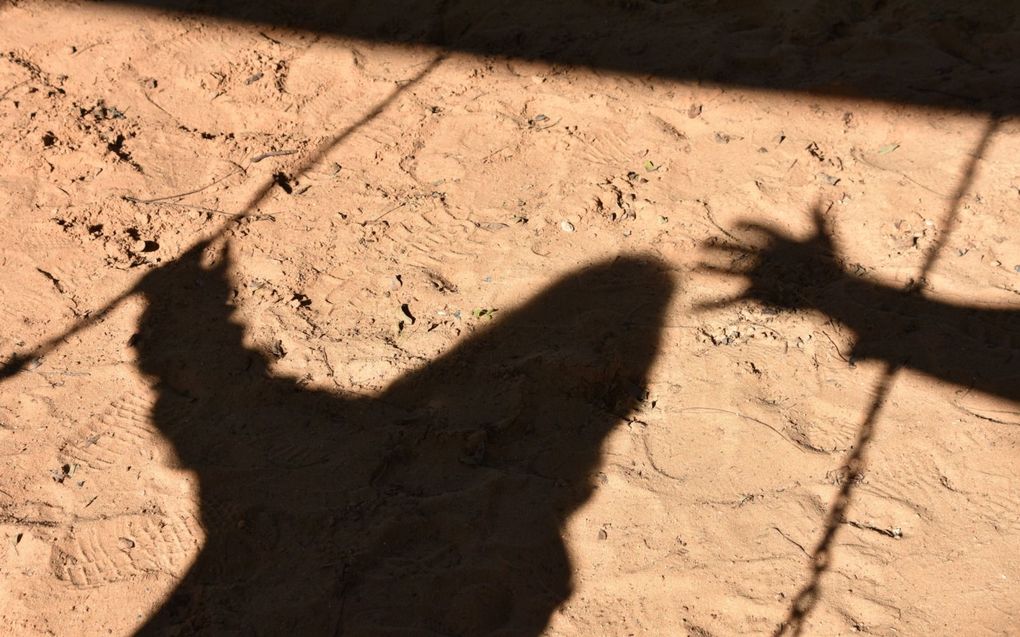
(403, 274)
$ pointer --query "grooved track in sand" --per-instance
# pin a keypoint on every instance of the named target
(105, 551)
(997, 509)
(121, 435)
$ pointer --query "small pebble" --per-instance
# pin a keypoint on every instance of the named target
(566, 226)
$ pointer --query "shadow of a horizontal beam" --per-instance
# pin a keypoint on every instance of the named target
(938, 53)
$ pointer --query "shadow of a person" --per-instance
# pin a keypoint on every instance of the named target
(975, 348)
(435, 508)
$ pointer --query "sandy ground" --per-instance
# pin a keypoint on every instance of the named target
(127, 136)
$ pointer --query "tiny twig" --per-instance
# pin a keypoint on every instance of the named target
(91, 46)
(791, 540)
(708, 213)
(242, 169)
(182, 194)
(273, 153)
(547, 127)
(836, 347)
(745, 417)
(987, 418)
(893, 533)
(859, 156)
(396, 207)
(153, 102)
(490, 155)
(183, 205)
(4, 94)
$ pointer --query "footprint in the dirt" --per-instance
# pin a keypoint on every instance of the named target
(103, 551)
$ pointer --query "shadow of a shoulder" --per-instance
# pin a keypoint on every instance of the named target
(436, 507)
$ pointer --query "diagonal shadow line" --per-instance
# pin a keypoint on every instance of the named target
(821, 558)
(19, 362)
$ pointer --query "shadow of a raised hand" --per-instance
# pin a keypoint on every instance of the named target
(974, 347)
(785, 273)
(435, 508)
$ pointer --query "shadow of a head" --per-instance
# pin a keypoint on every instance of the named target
(505, 443)
(597, 330)
(187, 337)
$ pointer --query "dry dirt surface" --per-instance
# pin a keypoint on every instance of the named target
(494, 347)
